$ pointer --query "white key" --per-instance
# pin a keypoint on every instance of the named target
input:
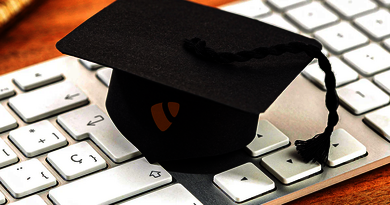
(383, 81)
(37, 76)
(7, 122)
(112, 185)
(343, 148)
(37, 138)
(93, 123)
(386, 43)
(248, 8)
(7, 156)
(343, 73)
(379, 120)
(76, 160)
(283, 5)
(89, 65)
(312, 16)
(164, 196)
(35, 200)
(267, 139)
(341, 38)
(278, 21)
(104, 75)
(48, 101)
(244, 182)
(369, 59)
(288, 166)
(362, 96)
(376, 24)
(2, 198)
(26, 178)
(6, 90)
(351, 8)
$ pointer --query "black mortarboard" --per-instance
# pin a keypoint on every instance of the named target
(171, 103)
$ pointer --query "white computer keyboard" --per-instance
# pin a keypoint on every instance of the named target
(59, 146)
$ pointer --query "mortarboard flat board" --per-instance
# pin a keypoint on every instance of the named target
(169, 103)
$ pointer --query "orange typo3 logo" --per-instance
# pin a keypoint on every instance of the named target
(163, 114)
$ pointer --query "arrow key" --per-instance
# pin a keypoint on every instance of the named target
(76, 161)
(244, 182)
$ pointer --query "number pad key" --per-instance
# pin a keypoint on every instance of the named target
(267, 139)
(341, 38)
(244, 182)
(287, 165)
(369, 59)
(382, 80)
(343, 73)
(93, 123)
(343, 148)
(7, 122)
(7, 156)
(362, 96)
(76, 160)
(248, 8)
(26, 178)
(351, 8)
(379, 120)
(37, 138)
(37, 76)
(377, 24)
(6, 90)
(312, 16)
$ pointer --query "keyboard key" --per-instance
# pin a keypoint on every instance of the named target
(283, 5)
(6, 90)
(89, 65)
(48, 101)
(343, 148)
(104, 75)
(384, 2)
(376, 24)
(362, 96)
(37, 76)
(244, 182)
(112, 185)
(288, 167)
(93, 123)
(35, 200)
(379, 121)
(369, 59)
(351, 8)
(37, 138)
(2, 198)
(278, 21)
(248, 8)
(341, 38)
(382, 80)
(267, 139)
(386, 43)
(7, 156)
(7, 122)
(344, 74)
(164, 196)
(26, 178)
(76, 160)
(312, 16)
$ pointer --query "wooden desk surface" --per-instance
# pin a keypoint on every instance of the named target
(32, 40)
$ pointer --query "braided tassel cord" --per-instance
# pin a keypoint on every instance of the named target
(315, 149)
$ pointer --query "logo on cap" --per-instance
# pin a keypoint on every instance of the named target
(163, 114)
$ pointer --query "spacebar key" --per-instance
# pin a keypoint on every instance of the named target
(113, 185)
(48, 101)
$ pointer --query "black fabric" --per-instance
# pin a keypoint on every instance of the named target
(143, 39)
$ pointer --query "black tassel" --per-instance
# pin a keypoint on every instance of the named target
(315, 149)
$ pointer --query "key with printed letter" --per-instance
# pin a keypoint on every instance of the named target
(112, 185)
(36, 76)
(93, 123)
(6, 90)
(47, 101)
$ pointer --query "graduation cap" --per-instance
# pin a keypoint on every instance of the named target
(174, 97)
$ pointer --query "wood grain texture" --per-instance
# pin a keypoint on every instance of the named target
(33, 40)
